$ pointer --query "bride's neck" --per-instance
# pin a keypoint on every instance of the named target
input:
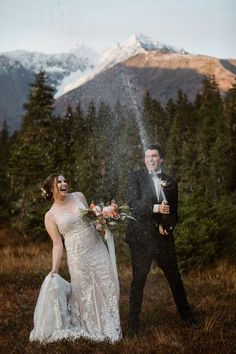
(61, 200)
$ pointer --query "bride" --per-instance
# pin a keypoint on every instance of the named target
(89, 305)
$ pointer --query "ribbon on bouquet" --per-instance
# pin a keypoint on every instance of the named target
(111, 248)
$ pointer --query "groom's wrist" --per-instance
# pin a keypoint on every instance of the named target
(156, 208)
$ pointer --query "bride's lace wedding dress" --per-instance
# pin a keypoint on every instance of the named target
(89, 305)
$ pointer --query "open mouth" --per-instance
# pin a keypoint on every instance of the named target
(63, 189)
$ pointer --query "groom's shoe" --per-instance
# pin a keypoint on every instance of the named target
(191, 322)
(132, 332)
(133, 328)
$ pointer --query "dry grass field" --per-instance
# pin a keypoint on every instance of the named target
(211, 294)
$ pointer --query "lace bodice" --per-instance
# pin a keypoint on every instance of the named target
(78, 235)
(69, 222)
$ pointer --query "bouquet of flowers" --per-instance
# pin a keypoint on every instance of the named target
(105, 216)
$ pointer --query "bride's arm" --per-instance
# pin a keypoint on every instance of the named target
(57, 249)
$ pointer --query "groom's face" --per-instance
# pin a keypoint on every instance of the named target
(153, 160)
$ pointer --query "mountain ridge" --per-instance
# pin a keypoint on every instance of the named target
(158, 67)
(162, 74)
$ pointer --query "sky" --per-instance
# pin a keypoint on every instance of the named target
(206, 27)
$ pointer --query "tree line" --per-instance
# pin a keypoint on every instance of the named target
(95, 148)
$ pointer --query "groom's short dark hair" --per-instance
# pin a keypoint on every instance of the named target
(155, 147)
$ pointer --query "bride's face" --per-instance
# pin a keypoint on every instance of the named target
(60, 187)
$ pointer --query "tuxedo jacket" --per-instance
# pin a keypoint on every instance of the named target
(141, 198)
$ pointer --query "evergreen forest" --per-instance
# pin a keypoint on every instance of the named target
(96, 147)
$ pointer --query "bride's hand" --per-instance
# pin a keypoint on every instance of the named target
(52, 273)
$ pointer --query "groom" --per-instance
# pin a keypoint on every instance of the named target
(150, 237)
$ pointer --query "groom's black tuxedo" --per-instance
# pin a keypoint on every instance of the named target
(146, 243)
(141, 198)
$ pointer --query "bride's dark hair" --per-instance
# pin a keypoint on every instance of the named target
(48, 185)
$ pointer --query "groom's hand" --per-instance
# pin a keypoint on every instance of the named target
(164, 208)
(161, 208)
(162, 231)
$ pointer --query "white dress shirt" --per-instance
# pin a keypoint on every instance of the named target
(156, 181)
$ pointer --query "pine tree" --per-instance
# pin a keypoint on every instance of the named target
(178, 142)
(39, 106)
(32, 155)
(5, 183)
(130, 149)
(209, 141)
(105, 151)
(207, 221)
(88, 163)
(155, 121)
(230, 112)
(79, 151)
(68, 135)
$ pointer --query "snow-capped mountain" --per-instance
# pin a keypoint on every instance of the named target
(67, 71)
(84, 75)
(136, 44)
(158, 68)
(144, 43)
(58, 66)
(17, 69)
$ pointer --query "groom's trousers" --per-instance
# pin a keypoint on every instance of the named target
(162, 250)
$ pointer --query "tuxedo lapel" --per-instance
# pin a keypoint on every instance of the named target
(167, 188)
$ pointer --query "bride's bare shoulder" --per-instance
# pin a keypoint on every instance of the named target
(81, 198)
(49, 215)
(79, 195)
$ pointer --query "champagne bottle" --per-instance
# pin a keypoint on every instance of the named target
(165, 219)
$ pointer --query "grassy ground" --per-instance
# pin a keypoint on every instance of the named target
(211, 294)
